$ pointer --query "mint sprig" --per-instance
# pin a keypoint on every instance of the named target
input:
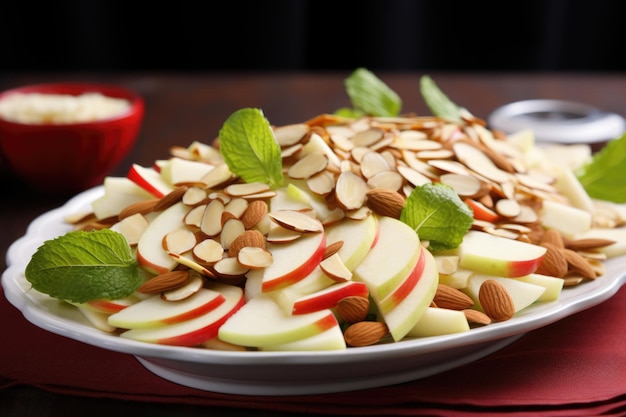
(604, 177)
(249, 147)
(82, 266)
(370, 96)
(438, 215)
(437, 101)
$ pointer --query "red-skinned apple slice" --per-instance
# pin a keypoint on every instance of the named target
(293, 261)
(331, 339)
(150, 252)
(329, 297)
(150, 180)
(119, 193)
(440, 321)
(261, 322)
(481, 212)
(391, 259)
(286, 296)
(404, 316)
(358, 237)
(404, 289)
(500, 256)
(156, 312)
(197, 330)
(110, 306)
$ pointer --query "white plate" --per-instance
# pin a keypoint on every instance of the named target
(285, 373)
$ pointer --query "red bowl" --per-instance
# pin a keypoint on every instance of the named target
(68, 158)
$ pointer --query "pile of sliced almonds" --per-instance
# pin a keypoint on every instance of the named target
(358, 167)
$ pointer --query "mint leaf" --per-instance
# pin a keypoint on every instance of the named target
(81, 266)
(370, 96)
(438, 215)
(249, 148)
(437, 101)
(604, 177)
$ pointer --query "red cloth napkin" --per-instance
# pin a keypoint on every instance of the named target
(575, 367)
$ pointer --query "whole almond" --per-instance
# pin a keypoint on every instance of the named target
(251, 237)
(141, 207)
(353, 309)
(255, 212)
(554, 237)
(385, 202)
(452, 298)
(553, 262)
(171, 198)
(476, 317)
(164, 282)
(578, 263)
(496, 300)
(365, 333)
(588, 243)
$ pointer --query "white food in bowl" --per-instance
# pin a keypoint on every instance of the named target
(39, 108)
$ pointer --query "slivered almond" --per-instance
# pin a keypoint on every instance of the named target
(553, 262)
(578, 263)
(164, 282)
(365, 333)
(496, 300)
(385, 202)
(353, 309)
(452, 298)
(141, 207)
(171, 198)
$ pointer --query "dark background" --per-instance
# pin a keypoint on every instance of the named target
(313, 35)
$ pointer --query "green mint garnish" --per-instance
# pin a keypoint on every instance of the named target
(437, 101)
(82, 266)
(249, 147)
(604, 176)
(371, 96)
(438, 215)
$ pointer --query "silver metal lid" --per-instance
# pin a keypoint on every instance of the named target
(558, 121)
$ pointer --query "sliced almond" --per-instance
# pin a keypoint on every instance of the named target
(211, 223)
(335, 269)
(193, 217)
(350, 190)
(389, 180)
(290, 134)
(246, 189)
(179, 240)
(208, 252)
(230, 268)
(195, 196)
(254, 257)
(230, 230)
(279, 234)
(372, 163)
(308, 166)
(507, 207)
(464, 185)
(297, 221)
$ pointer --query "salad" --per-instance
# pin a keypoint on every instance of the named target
(364, 226)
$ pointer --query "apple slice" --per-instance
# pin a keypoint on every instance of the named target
(522, 293)
(97, 319)
(404, 289)
(329, 297)
(197, 330)
(404, 316)
(156, 312)
(293, 261)
(261, 322)
(500, 256)
(358, 237)
(110, 306)
(440, 321)
(286, 296)
(389, 262)
(119, 193)
(553, 286)
(331, 339)
(150, 252)
(568, 220)
(149, 179)
(179, 171)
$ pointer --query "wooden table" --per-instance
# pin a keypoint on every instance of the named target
(181, 108)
